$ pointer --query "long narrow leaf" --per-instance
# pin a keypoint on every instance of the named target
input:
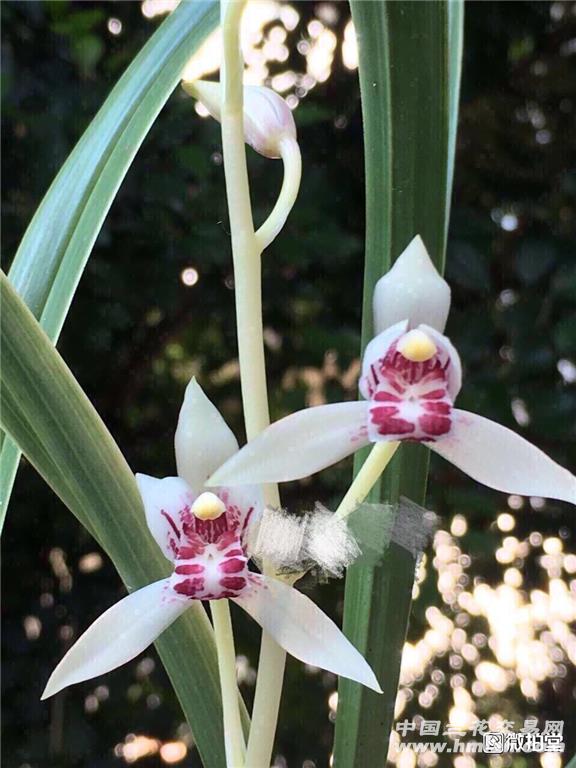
(46, 412)
(56, 246)
(409, 57)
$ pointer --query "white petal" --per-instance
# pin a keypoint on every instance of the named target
(499, 458)
(412, 288)
(119, 635)
(302, 629)
(298, 445)
(376, 350)
(203, 440)
(164, 501)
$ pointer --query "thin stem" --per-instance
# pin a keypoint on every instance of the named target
(242, 238)
(292, 160)
(233, 737)
(245, 247)
(375, 464)
(246, 251)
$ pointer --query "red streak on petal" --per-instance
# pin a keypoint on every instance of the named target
(388, 397)
(190, 551)
(389, 425)
(211, 530)
(189, 587)
(235, 553)
(395, 427)
(246, 521)
(382, 411)
(233, 582)
(189, 569)
(435, 425)
(436, 394)
(224, 541)
(234, 565)
(171, 522)
(173, 544)
(444, 408)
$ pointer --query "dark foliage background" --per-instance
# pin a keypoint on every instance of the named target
(136, 333)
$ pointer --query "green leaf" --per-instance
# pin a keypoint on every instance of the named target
(46, 412)
(56, 246)
(409, 62)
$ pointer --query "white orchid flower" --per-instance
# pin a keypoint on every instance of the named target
(411, 375)
(204, 533)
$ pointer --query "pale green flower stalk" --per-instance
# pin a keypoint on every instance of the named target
(247, 250)
(247, 247)
(273, 136)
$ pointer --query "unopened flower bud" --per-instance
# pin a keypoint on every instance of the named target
(412, 290)
(268, 120)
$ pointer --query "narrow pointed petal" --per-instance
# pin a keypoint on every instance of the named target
(203, 440)
(412, 288)
(298, 445)
(302, 629)
(499, 458)
(119, 635)
(164, 502)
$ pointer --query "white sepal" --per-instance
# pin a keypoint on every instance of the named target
(414, 289)
(302, 629)
(298, 445)
(499, 458)
(164, 499)
(268, 120)
(203, 440)
(120, 634)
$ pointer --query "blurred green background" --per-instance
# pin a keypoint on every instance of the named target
(156, 305)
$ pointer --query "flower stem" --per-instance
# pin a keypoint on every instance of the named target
(292, 161)
(377, 461)
(233, 736)
(246, 252)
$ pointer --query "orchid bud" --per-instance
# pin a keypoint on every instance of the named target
(268, 120)
(412, 290)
